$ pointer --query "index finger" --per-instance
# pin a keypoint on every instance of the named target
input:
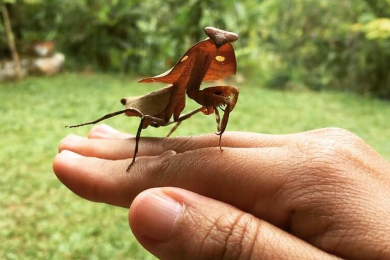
(117, 145)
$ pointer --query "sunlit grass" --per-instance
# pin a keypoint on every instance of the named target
(41, 219)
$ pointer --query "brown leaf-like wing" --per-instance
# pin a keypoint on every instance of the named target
(150, 104)
(223, 65)
(172, 75)
(223, 62)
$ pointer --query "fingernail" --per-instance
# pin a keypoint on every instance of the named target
(72, 138)
(69, 154)
(155, 216)
(105, 130)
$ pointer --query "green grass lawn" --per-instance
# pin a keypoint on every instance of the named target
(41, 219)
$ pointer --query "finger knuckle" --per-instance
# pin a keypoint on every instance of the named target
(168, 143)
(331, 132)
(234, 236)
(324, 154)
(178, 143)
(343, 136)
(164, 168)
(332, 149)
(325, 161)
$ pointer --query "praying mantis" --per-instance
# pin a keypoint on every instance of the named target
(208, 60)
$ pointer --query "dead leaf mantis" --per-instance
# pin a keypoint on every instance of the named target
(208, 60)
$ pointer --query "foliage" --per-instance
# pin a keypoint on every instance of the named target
(137, 36)
(328, 44)
(342, 45)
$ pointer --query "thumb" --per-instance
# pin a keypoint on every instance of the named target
(173, 223)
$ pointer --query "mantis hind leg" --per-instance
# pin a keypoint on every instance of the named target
(137, 138)
(146, 120)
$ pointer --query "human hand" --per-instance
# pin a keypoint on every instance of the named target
(321, 194)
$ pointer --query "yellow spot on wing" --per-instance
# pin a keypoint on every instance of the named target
(220, 58)
(184, 58)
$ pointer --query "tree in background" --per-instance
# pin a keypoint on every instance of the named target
(11, 39)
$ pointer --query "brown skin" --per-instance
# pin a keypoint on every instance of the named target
(320, 194)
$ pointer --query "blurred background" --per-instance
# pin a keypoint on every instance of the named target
(340, 45)
(302, 64)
